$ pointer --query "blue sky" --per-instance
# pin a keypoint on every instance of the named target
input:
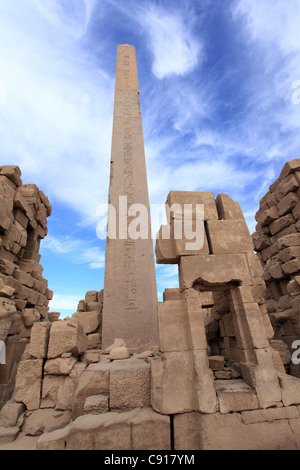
(218, 105)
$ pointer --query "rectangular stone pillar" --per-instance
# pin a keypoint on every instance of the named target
(130, 295)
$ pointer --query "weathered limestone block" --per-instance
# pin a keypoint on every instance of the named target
(210, 431)
(290, 388)
(92, 381)
(30, 316)
(91, 296)
(39, 340)
(12, 172)
(165, 250)
(171, 294)
(287, 204)
(130, 385)
(28, 383)
(235, 395)
(172, 321)
(94, 341)
(8, 435)
(213, 269)
(228, 209)
(90, 320)
(290, 167)
(216, 362)
(45, 421)
(66, 336)
(134, 430)
(96, 404)
(119, 353)
(10, 413)
(229, 236)
(58, 392)
(59, 366)
(172, 383)
(7, 315)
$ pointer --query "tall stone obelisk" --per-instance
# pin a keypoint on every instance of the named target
(130, 295)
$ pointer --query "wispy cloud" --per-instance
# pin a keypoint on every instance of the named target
(80, 251)
(175, 49)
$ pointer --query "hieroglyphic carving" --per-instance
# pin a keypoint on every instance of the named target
(129, 245)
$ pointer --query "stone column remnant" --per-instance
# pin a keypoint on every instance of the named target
(130, 296)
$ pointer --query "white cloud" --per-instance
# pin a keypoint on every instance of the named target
(64, 302)
(175, 49)
(78, 250)
(58, 104)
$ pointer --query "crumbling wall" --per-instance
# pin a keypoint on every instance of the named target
(277, 243)
(77, 396)
(24, 293)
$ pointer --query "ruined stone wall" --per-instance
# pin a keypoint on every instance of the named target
(24, 293)
(277, 243)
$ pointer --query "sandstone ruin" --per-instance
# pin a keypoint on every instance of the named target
(208, 368)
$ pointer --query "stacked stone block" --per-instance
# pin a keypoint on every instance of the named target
(277, 243)
(223, 354)
(23, 224)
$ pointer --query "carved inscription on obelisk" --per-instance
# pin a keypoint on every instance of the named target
(130, 297)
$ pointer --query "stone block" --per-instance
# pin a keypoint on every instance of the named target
(44, 421)
(91, 296)
(94, 380)
(228, 209)
(288, 241)
(59, 366)
(287, 185)
(214, 434)
(8, 435)
(172, 383)
(130, 384)
(171, 294)
(12, 172)
(165, 250)
(96, 404)
(292, 266)
(216, 362)
(172, 320)
(119, 353)
(229, 236)
(194, 197)
(281, 223)
(39, 340)
(134, 430)
(57, 392)
(290, 167)
(28, 383)
(213, 269)
(290, 389)
(10, 413)
(235, 395)
(94, 341)
(66, 336)
(287, 204)
(89, 320)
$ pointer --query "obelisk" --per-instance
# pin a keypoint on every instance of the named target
(130, 295)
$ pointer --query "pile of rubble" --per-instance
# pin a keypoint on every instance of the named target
(60, 381)
(277, 243)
